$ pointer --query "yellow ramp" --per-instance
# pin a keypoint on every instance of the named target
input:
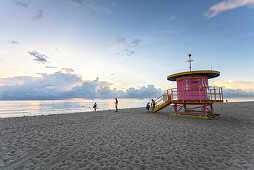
(161, 106)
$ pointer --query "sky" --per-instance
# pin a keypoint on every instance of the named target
(113, 48)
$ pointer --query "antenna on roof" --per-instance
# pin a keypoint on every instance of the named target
(190, 60)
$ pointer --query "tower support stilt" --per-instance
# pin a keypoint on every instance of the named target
(200, 110)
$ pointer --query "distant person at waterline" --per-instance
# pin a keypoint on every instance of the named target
(116, 104)
(95, 106)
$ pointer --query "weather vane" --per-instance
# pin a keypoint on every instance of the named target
(190, 60)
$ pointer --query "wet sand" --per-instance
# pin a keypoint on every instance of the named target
(130, 139)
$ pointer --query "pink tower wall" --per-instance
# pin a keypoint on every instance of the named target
(187, 85)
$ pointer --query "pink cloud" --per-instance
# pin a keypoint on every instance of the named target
(227, 5)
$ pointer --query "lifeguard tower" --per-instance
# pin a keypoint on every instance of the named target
(193, 96)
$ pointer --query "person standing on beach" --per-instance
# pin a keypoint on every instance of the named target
(116, 104)
(153, 105)
(148, 107)
(95, 106)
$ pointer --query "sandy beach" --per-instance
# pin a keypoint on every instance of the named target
(130, 139)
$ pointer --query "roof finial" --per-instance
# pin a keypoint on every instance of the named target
(190, 60)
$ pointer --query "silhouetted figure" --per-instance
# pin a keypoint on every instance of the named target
(116, 104)
(148, 107)
(95, 106)
(153, 105)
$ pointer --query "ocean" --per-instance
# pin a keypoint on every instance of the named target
(45, 107)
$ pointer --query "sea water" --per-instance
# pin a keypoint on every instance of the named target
(45, 107)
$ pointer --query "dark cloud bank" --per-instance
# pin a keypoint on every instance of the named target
(237, 93)
(62, 85)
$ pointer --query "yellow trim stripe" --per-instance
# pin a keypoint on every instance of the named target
(193, 72)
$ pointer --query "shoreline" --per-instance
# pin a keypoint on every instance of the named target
(71, 113)
(130, 139)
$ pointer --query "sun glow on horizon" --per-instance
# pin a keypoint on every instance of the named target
(236, 84)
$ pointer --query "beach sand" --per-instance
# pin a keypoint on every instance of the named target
(130, 139)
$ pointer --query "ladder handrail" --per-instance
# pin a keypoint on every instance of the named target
(158, 101)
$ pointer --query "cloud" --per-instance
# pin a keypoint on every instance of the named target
(121, 41)
(101, 89)
(236, 88)
(38, 16)
(135, 42)
(18, 80)
(227, 5)
(50, 67)
(62, 85)
(23, 4)
(14, 42)
(127, 48)
(171, 18)
(237, 93)
(40, 58)
(148, 91)
(66, 84)
(78, 2)
(128, 52)
(91, 5)
(235, 85)
(67, 70)
(48, 86)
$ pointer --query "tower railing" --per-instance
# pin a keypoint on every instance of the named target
(201, 93)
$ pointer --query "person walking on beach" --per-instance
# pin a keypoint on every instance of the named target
(148, 107)
(95, 106)
(153, 105)
(116, 104)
